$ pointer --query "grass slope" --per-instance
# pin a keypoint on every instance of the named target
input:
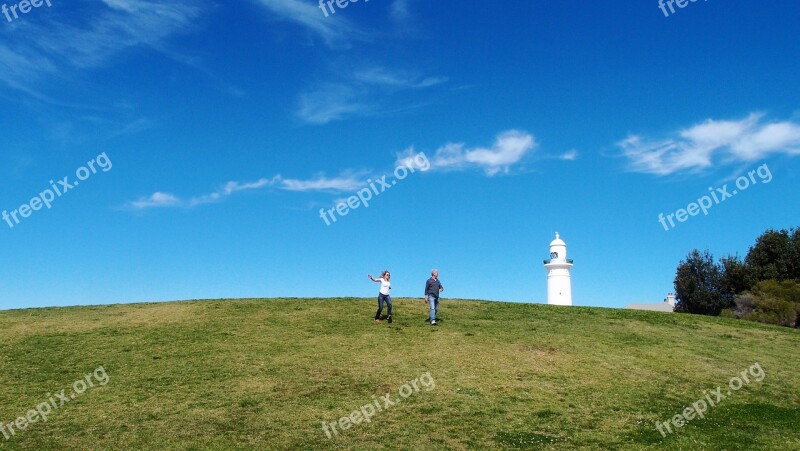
(241, 374)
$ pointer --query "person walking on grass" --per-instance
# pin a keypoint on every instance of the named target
(383, 295)
(432, 289)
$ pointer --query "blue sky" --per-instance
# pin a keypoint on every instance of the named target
(228, 126)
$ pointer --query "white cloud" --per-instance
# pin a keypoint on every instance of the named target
(227, 190)
(345, 182)
(570, 155)
(334, 31)
(331, 101)
(397, 78)
(156, 200)
(695, 148)
(348, 181)
(60, 47)
(19, 67)
(509, 148)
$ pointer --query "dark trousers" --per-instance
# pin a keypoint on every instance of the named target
(381, 299)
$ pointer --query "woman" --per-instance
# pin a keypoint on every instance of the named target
(383, 295)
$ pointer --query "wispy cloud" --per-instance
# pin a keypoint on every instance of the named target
(335, 32)
(125, 24)
(18, 68)
(381, 76)
(702, 145)
(77, 129)
(355, 95)
(400, 10)
(227, 190)
(330, 102)
(570, 155)
(509, 149)
(347, 181)
(156, 200)
(60, 47)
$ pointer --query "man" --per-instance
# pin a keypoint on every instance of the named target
(432, 289)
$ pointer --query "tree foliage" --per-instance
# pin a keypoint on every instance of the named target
(736, 278)
(770, 302)
(794, 253)
(771, 257)
(705, 287)
(751, 288)
(698, 285)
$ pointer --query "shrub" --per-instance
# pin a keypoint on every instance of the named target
(770, 302)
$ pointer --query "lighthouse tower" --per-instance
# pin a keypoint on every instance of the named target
(559, 288)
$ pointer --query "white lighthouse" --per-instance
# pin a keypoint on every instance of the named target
(559, 287)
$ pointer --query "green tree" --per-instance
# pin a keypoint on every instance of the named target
(794, 254)
(698, 285)
(770, 257)
(736, 277)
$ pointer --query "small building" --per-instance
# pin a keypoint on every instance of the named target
(667, 305)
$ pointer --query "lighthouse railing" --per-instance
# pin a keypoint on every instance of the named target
(556, 260)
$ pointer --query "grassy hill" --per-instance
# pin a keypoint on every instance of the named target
(241, 374)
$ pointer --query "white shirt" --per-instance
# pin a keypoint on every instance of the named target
(385, 285)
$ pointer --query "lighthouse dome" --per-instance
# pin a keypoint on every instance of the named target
(558, 241)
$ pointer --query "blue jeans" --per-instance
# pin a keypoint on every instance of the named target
(381, 299)
(433, 302)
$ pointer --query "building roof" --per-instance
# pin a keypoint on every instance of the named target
(653, 307)
(558, 241)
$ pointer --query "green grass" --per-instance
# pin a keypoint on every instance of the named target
(243, 374)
